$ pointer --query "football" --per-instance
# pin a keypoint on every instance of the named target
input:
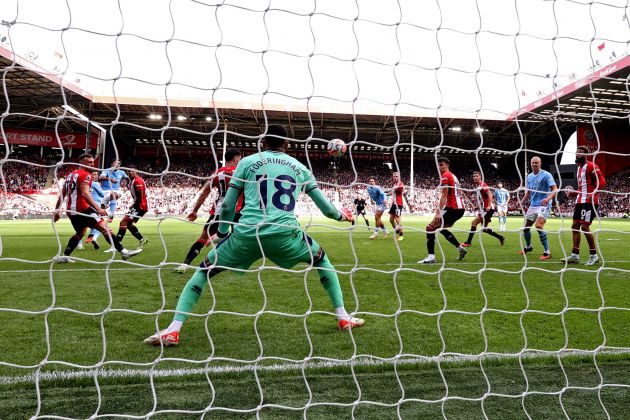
(337, 148)
(570, 192)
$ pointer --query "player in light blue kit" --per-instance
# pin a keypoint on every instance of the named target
(97, 193)
(501, 198)
(542, 189)
(377, 195)
(110, 181)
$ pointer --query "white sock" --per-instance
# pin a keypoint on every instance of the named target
(341, 314)
(175, 326)
(431, 256)
(575, 255)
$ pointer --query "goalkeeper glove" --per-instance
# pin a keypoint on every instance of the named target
(346, 215)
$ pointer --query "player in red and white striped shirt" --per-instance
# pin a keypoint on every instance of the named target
(220, 180)
(486, 210)
(395, 211)
(139, 208)
(590, 182)
(83, 211)
(450, 210)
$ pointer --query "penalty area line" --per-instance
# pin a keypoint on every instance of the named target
(287, 367)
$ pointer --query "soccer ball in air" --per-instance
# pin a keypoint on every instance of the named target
(336, 148)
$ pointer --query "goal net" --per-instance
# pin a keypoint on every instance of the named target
(169, 89)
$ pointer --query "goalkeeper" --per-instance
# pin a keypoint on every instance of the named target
(271, 182)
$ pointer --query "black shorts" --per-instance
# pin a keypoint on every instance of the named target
(212, 224)
(395, 210)
(86, 219)
(486, 216)
(135, 214)
(585, 213)
(450, 216)
(360, 211)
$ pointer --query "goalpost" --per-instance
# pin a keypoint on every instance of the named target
(496, 335)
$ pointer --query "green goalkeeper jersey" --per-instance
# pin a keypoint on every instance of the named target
(271, 182)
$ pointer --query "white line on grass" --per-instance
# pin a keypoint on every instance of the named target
(286, 367)
(169, 267)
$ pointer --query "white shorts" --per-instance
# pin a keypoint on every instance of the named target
(108, 194)
(502, 208)
(380, 207)
(534, 212)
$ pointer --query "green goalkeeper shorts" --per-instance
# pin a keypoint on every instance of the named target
(285, 250)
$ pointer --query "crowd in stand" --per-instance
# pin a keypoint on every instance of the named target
(25, 178)
(173, 186)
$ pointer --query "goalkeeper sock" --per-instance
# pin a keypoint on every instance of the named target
(330, 281)
(175, 326)
(342, 314)
(527, 234)
(195, 249)
(543, 240)
(192, 291)
(473, 229)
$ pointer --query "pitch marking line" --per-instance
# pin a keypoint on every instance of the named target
(287, 367)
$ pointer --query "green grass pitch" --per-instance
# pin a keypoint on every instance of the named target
(245, 352)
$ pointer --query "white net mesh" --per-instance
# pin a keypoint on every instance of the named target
(170, 86)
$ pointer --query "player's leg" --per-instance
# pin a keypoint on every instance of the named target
(543, 213)
(574, 258)
(122, 227)
(487, 219)
(448, 219)
(530, 217)
(113, 240)
(113, 203)
(592, 244)
(367, 222)
(211, 227)
(398, 221)
(79, 223)
(229, 253)
(473, 229)
(133, 228)
(288, 250)
(431, 228)
(589, 215)
(378, 224)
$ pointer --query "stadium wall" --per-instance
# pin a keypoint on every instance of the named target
(612, 139)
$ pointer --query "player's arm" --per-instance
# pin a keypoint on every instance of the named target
(104, 176)
(442, 202)
(327, 208)
(600, 181)
(489, 196)
(57, 213)
(550, 196)
(205, 192)
(228, 209)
